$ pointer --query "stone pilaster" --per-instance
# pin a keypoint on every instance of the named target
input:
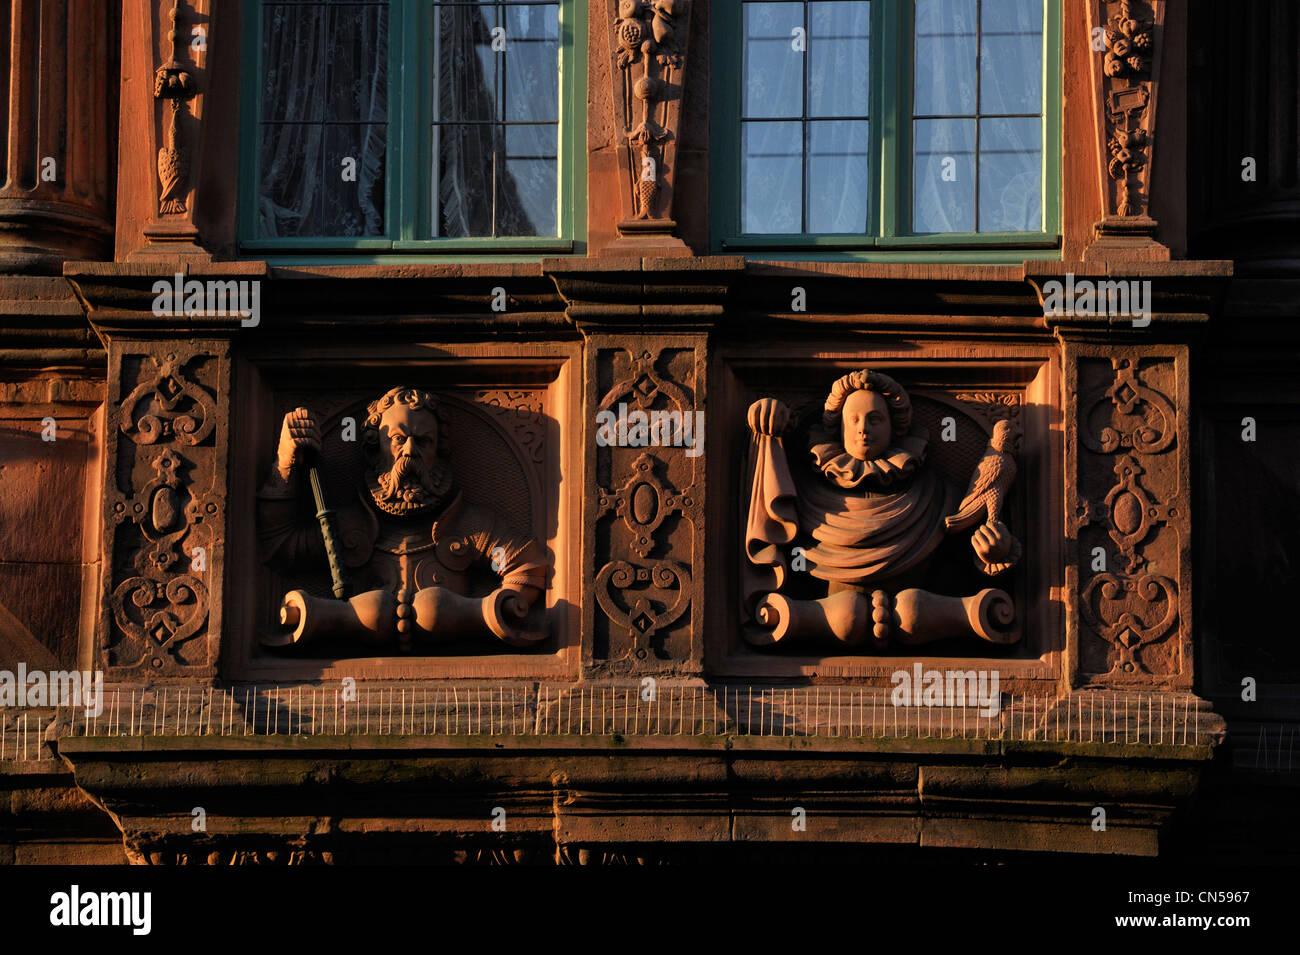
(1125, 75)
(648, 46)
(1128, 516)
(646, 326)
(167, 439)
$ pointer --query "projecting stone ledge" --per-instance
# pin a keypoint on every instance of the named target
(613, 798)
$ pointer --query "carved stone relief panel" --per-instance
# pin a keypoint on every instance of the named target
(1128, 515)
(881, 517)
(1125, 87)
(646, 502)
(164, 507)
(648, 41)
(407, 520)
(887, 506)
(404, 518)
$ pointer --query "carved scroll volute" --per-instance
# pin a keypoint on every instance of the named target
(1126, 53)
(648, 42)
(180, 29)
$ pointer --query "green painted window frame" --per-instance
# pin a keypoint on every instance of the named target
(406, 198)
(890, 108)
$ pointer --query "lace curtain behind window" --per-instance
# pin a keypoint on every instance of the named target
(324, 126)
(495, 119)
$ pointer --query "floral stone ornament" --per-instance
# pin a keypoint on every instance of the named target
(648, 50)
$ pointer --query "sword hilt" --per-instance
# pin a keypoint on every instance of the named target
(328, 534)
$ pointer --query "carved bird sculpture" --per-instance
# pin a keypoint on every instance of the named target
(172, 170)
(988, 486)
(174, 84)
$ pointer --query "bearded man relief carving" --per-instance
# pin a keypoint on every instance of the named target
(865, 519)
(412, 561)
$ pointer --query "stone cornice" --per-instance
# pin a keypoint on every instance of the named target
(559, 296)
(310, 794)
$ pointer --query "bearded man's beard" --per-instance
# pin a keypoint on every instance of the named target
(408, 487)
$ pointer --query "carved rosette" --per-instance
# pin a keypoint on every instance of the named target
(648, 509)
(1125, 78)
(648, 42)
(164, 509)
(523, 413)
(1129, 517)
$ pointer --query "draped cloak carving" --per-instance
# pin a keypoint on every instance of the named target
(870, 519)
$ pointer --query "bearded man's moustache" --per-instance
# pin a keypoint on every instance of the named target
(405, 474)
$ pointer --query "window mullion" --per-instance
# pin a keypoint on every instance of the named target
(403, 112)
(979, 104)
(803, 126)
(895, 85)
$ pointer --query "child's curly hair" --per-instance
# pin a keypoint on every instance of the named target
(864, 379)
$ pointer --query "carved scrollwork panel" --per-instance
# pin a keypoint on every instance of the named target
(1141, 418)
(646, 504)
(164, 508)
(1131, 612)
(1129, 516)
(621, 590)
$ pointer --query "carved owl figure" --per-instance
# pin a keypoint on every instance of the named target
(988, 486)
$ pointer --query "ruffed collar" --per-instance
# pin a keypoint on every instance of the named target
(846, 471)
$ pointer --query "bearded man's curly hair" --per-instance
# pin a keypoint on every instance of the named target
(417, 399)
